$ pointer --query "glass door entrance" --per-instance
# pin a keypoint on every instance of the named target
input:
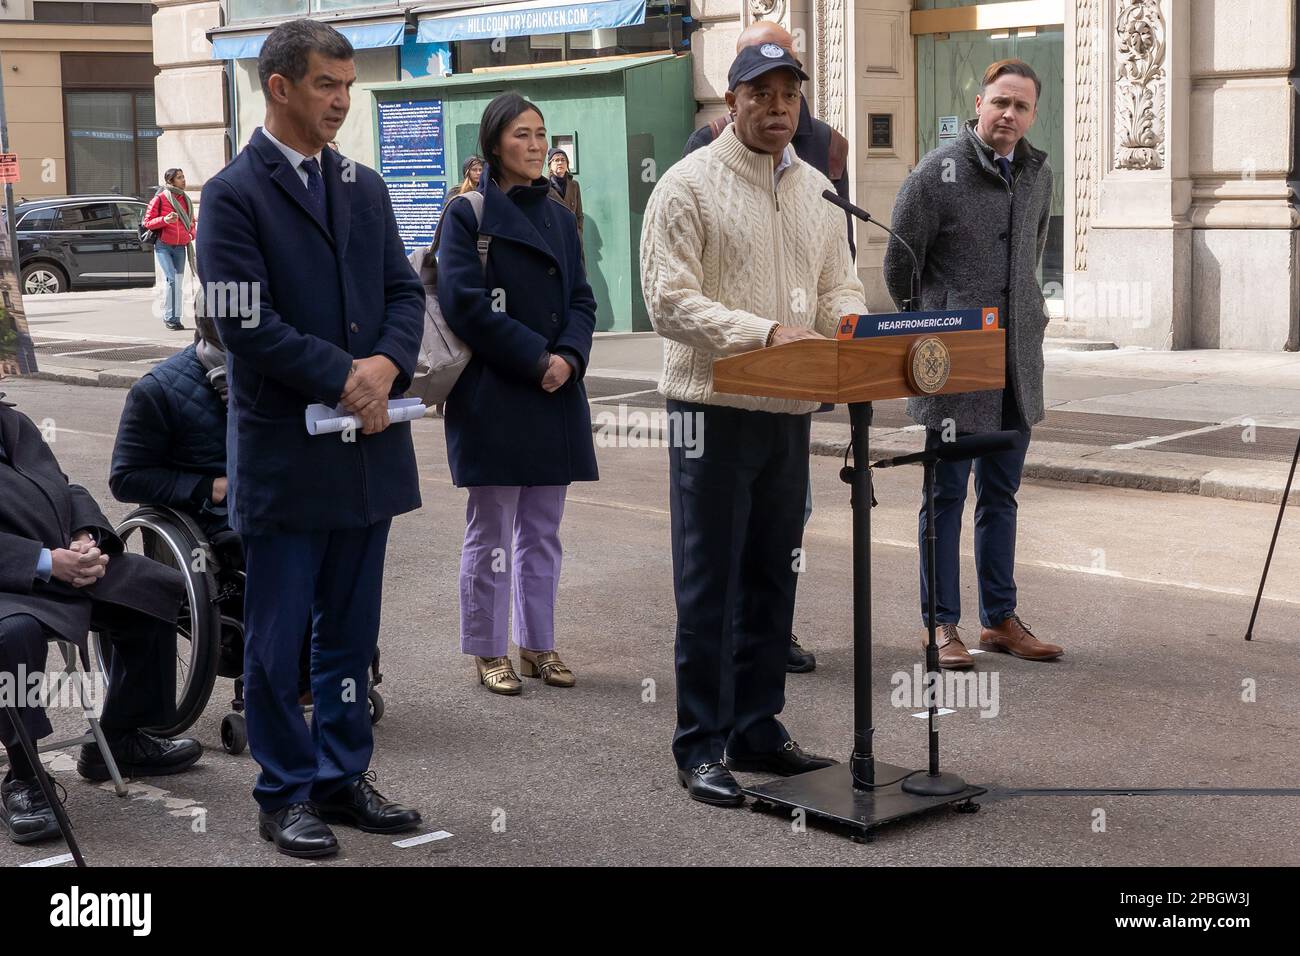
(949, 67)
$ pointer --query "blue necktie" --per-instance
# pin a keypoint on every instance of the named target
(1004, 164)
(315, 187)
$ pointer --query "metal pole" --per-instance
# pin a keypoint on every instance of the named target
(1286, 493)
(931, 648)
(43, 780)
(862, 765)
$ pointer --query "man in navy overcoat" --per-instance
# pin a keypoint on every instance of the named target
(305, 273)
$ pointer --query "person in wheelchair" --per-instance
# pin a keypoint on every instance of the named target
(171, 450)
(64, 572)
(171, 441)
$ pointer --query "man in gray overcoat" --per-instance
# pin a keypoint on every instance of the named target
(976, 212)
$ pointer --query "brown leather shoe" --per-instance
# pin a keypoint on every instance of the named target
(1013, 636)
(952, 652)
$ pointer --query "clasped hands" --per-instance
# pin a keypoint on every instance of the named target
(81, 563)
(365, 394)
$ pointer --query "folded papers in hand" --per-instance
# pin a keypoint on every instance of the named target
(323, 420)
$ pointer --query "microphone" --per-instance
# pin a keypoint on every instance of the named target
(969, 446)
(913, 304)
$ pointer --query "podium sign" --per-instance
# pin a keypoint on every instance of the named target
(863, 369)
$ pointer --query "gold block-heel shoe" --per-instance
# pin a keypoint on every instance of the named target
(546, 665)
(498, 675)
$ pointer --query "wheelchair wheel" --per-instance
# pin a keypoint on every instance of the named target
(234, 733)
(164, 536)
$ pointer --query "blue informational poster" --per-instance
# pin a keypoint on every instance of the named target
(418, 208)
(410, 139)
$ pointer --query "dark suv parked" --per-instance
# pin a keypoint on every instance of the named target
(82, 242)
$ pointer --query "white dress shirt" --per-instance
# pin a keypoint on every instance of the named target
(294, 157)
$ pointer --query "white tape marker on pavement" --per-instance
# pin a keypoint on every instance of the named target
(422, 839)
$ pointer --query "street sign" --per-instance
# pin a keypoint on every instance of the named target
(8, 167)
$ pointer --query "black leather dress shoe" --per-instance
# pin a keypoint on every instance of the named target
(786, 762)
(296, 830)
(26, 813)
(711, 783)
(360, 805)
(138, 754)
(799, 660)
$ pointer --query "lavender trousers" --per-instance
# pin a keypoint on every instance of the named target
(512, 543)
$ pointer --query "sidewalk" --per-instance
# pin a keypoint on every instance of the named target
(1216, 423)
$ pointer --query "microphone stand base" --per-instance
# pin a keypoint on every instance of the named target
(830, 794)
(934, 785)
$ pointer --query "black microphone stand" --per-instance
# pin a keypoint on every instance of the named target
(854, 795)
(933, 783)
(862, 763)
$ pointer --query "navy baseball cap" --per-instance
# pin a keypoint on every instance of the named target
(754, 61)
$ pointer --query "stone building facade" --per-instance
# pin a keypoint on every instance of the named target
(1174, 143)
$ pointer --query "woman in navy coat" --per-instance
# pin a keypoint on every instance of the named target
(518, 424)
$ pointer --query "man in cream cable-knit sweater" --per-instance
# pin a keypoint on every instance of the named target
(738, 252)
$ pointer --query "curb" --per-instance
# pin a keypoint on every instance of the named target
(1054, 465)
(108, 378)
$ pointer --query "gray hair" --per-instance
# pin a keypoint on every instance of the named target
(286, 49)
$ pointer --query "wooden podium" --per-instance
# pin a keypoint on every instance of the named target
(864, 793)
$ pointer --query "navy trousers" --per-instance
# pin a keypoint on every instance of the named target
(327, 585)
(997, 480)
(737, 523)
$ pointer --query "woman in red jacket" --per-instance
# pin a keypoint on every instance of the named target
(170, 211)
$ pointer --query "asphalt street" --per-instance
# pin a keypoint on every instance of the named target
(1148, 592)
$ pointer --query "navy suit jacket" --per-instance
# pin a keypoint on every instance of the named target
(296, 299)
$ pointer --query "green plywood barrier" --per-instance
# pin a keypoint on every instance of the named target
(630, 117)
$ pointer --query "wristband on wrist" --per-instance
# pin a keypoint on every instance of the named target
(771, 334)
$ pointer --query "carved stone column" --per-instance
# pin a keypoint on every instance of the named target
(1132, 255)
(828, 62)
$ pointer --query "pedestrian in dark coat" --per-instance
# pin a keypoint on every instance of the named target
(470, 171)
(329, 311)
(63, 572)
(564, 187)
(518, 423)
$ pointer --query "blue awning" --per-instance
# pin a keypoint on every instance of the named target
(529, 18)
(362, 36)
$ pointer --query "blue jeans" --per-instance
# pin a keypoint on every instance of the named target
(997, 479)
(172, 260)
